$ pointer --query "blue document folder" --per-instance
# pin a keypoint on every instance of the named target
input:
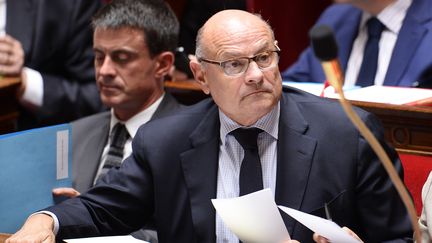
(32, 163)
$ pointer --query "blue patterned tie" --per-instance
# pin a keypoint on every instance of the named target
(250, 170)
(369, 64)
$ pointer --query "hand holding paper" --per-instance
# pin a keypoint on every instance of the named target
(326, 228)
(255, 218)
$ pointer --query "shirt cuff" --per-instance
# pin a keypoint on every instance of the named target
(33, 92)
(56, 222)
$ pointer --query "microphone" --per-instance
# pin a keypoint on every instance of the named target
(326, 50)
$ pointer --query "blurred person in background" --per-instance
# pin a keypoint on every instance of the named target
(48, 45)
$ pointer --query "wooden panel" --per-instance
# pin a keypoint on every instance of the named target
(9, 104)
(408, 128)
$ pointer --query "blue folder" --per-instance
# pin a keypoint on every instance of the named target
(32, 163)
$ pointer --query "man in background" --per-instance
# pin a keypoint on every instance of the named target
(381, 42)
(47, 44)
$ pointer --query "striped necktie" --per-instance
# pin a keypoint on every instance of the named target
(119, 136)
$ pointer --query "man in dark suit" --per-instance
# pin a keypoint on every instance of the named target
(134, 52)
(309, 155)
(48, 44)
(405, 40)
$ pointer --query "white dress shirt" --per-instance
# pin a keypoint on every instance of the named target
(392, 17)
(132, 126)
(2, 17)
(230, 156)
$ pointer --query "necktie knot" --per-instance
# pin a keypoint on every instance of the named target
(247, 138)
(375, 27)
(119, 136)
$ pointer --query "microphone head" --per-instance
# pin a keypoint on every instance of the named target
(323, 43)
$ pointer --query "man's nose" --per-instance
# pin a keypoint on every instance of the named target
(253, 74)
(107, 67)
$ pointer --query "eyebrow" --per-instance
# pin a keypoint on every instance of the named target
(234, 55)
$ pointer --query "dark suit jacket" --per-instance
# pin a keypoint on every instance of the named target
(90, 135)
(57, 40)
(409, 58)
(172, 175)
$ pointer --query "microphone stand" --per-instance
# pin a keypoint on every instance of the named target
(336, 80)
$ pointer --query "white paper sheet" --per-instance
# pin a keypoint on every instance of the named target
(387, 95)
(253, 217)
(107, 239)
(324, 227)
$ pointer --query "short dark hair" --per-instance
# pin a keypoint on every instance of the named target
(154, 17)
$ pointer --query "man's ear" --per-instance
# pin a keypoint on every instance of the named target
(165, 63)
(199, 75)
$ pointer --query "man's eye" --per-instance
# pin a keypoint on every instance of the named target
(99, 58)
(121, 58)
(263, 58)
(233, 64)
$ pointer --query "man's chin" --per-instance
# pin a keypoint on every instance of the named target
(110, 101)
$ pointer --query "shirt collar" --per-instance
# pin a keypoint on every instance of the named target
(137, 120)
(268, 123)
(391, 17)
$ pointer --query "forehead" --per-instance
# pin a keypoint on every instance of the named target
(119, 38)
(237, 37)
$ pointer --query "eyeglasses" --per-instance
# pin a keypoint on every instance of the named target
(232, 67)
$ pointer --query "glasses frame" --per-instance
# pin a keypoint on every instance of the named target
(221, 63)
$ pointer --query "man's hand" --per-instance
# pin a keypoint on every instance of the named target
(65, 191)
(318, 238)
(12, 60)
(37, 228)
(11, 56)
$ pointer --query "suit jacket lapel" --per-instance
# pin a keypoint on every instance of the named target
(86, 166)
(409, 38)
(295, 154)
(20, 21)
(346, 36)
(200, 166)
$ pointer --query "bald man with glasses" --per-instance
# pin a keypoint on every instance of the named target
(249, 135)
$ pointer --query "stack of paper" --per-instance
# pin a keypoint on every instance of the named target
(376, 94)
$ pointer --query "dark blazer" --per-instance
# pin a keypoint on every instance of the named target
(57, 40)
(172, 175)
(90, 135)
(409, 59)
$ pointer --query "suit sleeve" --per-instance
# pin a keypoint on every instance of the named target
(121, 202)
(383, 216)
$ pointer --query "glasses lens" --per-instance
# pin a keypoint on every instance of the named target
(235, 66)
(266, 59)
